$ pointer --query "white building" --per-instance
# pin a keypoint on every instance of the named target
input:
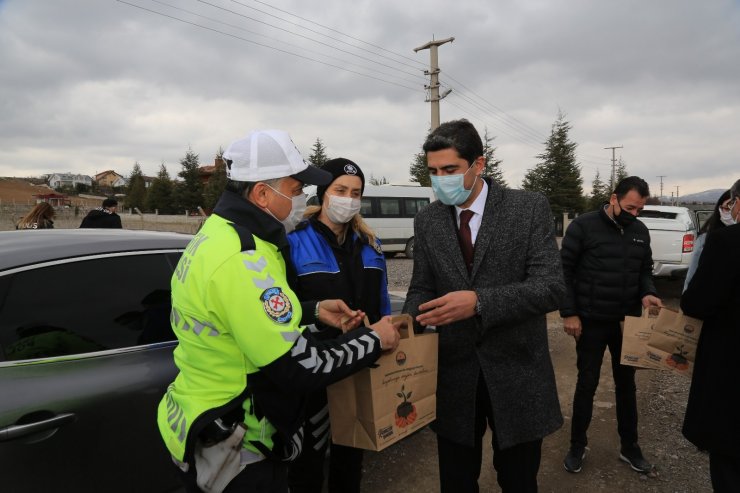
(59, 180)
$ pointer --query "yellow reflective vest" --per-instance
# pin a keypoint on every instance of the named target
(232, 312)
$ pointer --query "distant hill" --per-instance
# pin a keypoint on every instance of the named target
(705, 197)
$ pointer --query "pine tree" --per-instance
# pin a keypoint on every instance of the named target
(599, 193)
(558, 175)
(378, 181)
(159, 197)
(216, 183)
(621, 172)
(419, 171)
(318, 155)
(189, 191)
(136, 190)
(493, 165)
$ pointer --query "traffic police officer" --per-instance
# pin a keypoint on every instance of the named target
(232, 418)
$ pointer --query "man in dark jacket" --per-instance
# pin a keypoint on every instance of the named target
(486, 272)
(607, 264)
(713, 295)
(103, 217)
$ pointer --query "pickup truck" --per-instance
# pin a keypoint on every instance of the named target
(672, 234)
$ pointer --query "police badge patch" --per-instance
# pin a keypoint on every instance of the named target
(277, 305)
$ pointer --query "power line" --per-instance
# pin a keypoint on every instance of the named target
(281, 41)
(522, 126)
(614, 164)
(343, 34)
(522, 138)
(661, 185)
(306, 37)
(517, 125)
(264, 45)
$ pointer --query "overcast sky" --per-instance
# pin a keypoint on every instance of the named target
(90, 85)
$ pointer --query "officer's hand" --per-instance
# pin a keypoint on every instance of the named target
(388, 333)
(336, 313)
(572, 326)
(454, 306)
(650, 300)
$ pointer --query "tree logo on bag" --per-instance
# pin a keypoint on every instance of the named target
(400, 358)
(678, 359)
(406, 411)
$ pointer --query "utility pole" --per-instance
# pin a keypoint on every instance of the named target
(672, 199)
(433, 74)
(661, 186)
(614, 166)
(676, 194)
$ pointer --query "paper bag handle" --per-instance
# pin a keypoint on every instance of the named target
(646, 311)
(407, 330)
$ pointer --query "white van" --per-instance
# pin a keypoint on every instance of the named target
(389, 210)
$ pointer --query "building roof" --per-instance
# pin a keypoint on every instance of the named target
(106, 172)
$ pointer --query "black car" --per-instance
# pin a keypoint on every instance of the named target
(85, 357)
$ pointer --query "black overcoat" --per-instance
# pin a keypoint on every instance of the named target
(518, 278)
(713, 295)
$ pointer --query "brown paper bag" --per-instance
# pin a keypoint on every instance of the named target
(673, 341)
(379, 406)
(635, 334)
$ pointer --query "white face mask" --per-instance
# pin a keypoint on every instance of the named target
(341, 210)
(297, 208)
(726, 217)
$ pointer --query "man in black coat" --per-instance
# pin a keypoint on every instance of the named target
(486, 272)
(103, 217)
(713, 295)
(607, 264)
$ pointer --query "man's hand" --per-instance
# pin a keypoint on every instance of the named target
(454, 306)
(650, 300)
(388, 332)
(572, 326)
(336, 313)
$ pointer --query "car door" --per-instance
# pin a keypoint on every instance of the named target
(85, 357)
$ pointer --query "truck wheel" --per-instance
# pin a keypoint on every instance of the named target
(410, 248)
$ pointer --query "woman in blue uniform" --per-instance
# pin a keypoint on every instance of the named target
(335, 255)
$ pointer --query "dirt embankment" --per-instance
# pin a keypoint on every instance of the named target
(20, 192)
(18, 196)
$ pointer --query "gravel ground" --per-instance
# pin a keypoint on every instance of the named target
(411, 465)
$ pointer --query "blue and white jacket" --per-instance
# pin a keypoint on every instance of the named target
(354, 271)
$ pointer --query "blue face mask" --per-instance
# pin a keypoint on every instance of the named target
(450, 189)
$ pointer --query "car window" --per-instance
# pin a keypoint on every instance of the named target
(86, 306)
(658, 214)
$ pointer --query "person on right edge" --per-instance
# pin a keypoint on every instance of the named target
(486, 273)
(607, 264)
(719, 219)
(713, 295)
